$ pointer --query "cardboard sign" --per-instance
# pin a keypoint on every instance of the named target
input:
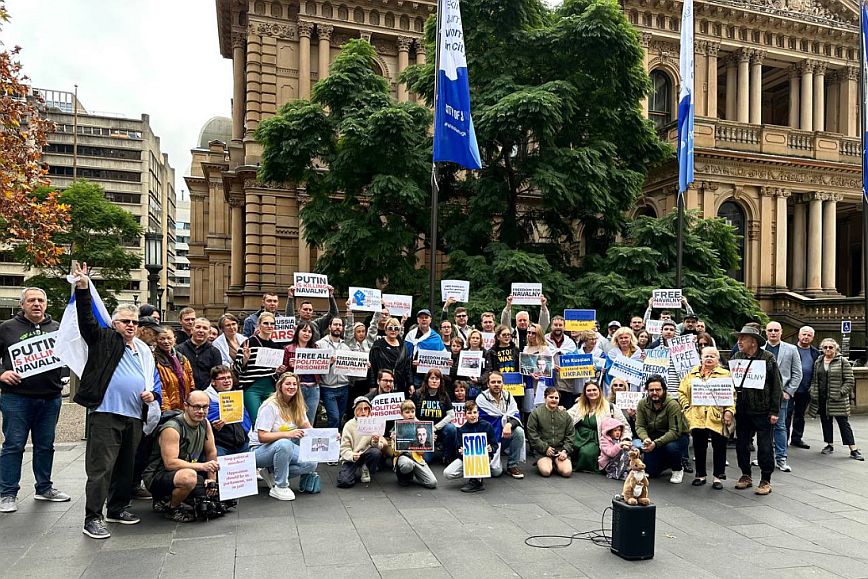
(682, 352)
(414, 436)
(268, 358)
(487, 340)
(349, 363)
(284, 329)
(371, 425)
(387, 406)
(656, 362)
(455, 288)
(365, 299)
(513, 382)
(626, 400)
(669, 299)
(627, 369)
(712, 392)
(756, 377)
(536, 364)
(429, 359)
(580, 320)
(526, 294)
(310, 285)
(654, 327)
(237, 476)
(460, 417)
(475, 455)
(470, 363)
(231, 406)
(311, 361)
(398, 305)
(34, 355)
(319, 445)
(577, 366)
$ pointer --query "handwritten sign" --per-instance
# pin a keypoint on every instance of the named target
(284, 329)
(756, 377)
(475, 455)
(656, 362)
(310, 285)
(429, 359)
(268, 357)
(237, 476)
(460, 416)
(666, 298)
(487, 340)
(682, 352)
(470, 363)
(526, 294)
(398, 305)
(455, 288)
(371, 425)
(231, 406)
(654, 327)
(513, 382)
(627, 369)
(311, 361)
(34, 355)
(577, 366)
(387, 406)
(365, 299)
(626, 400)
(712, 392)
(349, 363)
(580, 320)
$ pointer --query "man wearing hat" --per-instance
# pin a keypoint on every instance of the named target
(756, 408)
(422, 337)
(612, 328)
(688, 326)
(360, 455)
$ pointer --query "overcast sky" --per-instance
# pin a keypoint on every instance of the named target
(158, 57)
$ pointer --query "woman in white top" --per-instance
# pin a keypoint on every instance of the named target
(229, 341)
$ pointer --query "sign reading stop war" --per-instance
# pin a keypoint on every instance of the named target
(475, 455)
(310, 285)
(34, 355)
(666, 298)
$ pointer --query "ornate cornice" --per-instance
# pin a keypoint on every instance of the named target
(305, 28)
(404, 43)
(324, 32)
(284, 31)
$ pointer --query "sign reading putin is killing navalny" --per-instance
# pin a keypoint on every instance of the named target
(34, 355)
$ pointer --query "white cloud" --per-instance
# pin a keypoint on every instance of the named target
(157, 57)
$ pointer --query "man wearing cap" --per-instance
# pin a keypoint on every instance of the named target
(360, 455)
(147, 331)
(613, 327)
(422, 337)
(790, 365)
(756, 409)
(688, 326)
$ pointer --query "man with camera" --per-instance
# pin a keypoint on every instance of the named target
(175, 476)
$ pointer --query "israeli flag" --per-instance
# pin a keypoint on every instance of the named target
(863, 81)
(686, 108)
(454, 136)
(71, 347)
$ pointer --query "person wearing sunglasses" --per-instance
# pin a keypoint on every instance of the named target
(119, 384)
(831, 386)
(389, 353)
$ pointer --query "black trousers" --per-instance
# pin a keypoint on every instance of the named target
(110, 461)
(843, 425)
(746, 425)
(701, 436)
(796, 416)
(351, 471)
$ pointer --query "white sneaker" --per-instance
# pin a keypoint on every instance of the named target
(8, 505)
(268, 477)
(782, 464)
(677, 477)
(754, 462)
(282, 493)
(366, 475)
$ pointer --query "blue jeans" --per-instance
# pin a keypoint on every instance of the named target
(514, 445)
(311, 401)
(282, 457)
(23, 415)
(335, 401)
(447, 438)
(780, 434)
(667, 457)
(221, 451)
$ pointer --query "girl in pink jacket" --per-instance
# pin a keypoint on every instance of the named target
(613, 452)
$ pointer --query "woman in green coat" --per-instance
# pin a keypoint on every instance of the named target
(831, 386)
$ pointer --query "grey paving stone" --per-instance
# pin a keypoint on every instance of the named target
(407, 561)
(131, 563)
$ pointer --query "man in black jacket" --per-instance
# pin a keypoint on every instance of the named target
(30, 405)
(202, 355)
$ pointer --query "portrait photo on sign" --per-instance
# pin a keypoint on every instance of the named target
(536, 364)
(319, 444)
(416, 436)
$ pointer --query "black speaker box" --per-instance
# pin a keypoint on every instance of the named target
(633, 530)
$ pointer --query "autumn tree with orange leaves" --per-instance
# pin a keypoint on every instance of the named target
(27, 222)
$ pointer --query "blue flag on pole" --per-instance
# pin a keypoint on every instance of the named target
(685, 100)
(864, 91)
(454, 136)
(70, 347)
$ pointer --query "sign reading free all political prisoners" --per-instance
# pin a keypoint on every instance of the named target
(34, 355)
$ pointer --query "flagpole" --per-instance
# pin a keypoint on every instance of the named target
(863, 126)
(435, 186)
(685, 130)
(679, 256)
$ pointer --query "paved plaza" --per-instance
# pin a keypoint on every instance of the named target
(815, 523)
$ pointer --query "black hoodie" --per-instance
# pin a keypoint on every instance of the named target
(18, 329)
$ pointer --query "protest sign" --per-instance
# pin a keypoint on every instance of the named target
(654, 327)
(319, 445)
(231, 405)
(666, 298)
(460, 417)
(536, 364)
(311, 361)
(237, 476)
(475, 455)
(387, 406)
(627, 369)
(577, 366)
(656, 362)
(756, 376)
(579, 320)
(429, 359)
(513, 382)
(415, 436)
(398, 305)
(349, 363)
(712, 392)
(470, 363)
(284, 329)
(682, 352)
(487, 340)
(310, 285)
(626, 400)
(365, 299)
(526, 294)
(268, 357)
(455, 288)
(371, 425)
(34, 355)
(539, 395)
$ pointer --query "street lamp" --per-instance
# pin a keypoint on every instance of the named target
(153, 263)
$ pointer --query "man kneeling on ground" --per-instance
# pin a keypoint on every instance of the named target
(174, 473)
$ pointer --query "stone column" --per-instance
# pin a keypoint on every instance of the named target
(305, 29)
(848, 107)
(806, 111)
(830, 241)
(798, 238)
(815, 244)
(795, 81)
(645, 39)
(700, 73)
(711, 104)
(421, 57)
(236, 270)
(252, 239)
(743, 85)
(731, 87)
(756, 87)
(404, 44)
(820, 96)
(832, 99)
(253, 100)
(239, 43)
(781, 238)
(302, 199)
(324, 32)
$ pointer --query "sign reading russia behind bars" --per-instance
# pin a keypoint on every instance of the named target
(34, 355)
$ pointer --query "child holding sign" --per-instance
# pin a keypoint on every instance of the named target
(473, 425)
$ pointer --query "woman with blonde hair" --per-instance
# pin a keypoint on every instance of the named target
(587, 414)
(624, 344)
(537, 346)
(281, 422)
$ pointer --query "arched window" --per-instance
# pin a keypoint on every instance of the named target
(734, 216)
(647, 211)
(660, 100)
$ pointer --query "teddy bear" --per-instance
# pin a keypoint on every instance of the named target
(636, 483)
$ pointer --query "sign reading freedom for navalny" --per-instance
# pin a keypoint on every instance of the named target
(34, 355)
